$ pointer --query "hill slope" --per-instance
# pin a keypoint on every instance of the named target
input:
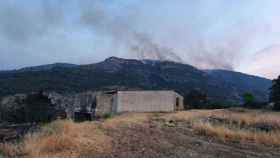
(117, 73)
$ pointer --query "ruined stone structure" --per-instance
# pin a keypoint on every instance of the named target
(80, 105)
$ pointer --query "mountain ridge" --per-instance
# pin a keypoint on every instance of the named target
(144, 61)
(119, 73)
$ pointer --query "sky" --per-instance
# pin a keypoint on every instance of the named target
(235, 35)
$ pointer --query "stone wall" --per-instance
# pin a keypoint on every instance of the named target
(75, 102)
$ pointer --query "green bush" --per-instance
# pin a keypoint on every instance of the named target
(248, 99)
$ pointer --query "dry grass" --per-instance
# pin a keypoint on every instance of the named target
(63, 139)
(69, 139)
(225, 133)
(250, 117)
(246, 117)
(233, 128)
(126, 120)
(190, 116)
(66, 139)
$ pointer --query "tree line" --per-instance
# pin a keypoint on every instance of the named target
(275, 93)
(197, 99)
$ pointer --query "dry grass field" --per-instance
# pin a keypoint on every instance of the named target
(236, 124)
(194, 133)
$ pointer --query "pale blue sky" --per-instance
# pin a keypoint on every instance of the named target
(243, 35)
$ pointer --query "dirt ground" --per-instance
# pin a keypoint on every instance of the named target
(155, 139)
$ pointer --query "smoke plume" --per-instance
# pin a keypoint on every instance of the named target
(195, 49)
(139, 45)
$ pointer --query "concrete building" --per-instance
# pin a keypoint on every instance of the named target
(138, 101)
(91, 104)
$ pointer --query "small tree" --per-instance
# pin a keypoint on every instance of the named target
(275, 93)
(248, 99)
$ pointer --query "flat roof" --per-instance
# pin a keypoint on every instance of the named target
(173, 91)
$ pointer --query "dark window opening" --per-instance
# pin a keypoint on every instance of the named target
(177, 102)
(61, 114)
(93, 107)
(85, 114)
(82, 116)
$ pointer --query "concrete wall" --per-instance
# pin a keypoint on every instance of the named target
(115, 104)
(104, 103)
(147, 101)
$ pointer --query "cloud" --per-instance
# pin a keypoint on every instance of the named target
(21, 24)
(265, 62)
(40, 33)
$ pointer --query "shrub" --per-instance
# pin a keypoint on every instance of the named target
(39, 108)
(34, 107)
(248, 99)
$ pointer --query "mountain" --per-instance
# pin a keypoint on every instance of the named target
(47, 67)
(118, 73)
(240, 83)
